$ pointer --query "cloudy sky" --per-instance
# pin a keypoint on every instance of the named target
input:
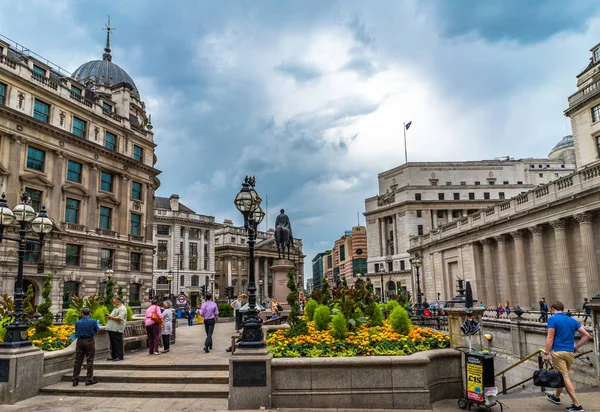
(310, 95)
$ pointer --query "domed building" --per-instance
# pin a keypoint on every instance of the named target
(564, 150)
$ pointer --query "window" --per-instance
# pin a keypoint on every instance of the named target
(519, 183)
(161, 262)
(477, 183)
(182, 233)
(456, 214)
(539, 166)
(448, 183)
(75, 90)
(36, 198)
(596, 113)
(105, 218)
(501, 196)
(135, 261)
(193, 253)
(562, 166)
(182, 280)
(342, 252)
(532, 166)
(35, 158)
(106, 258)
(110, 141)
(73, 255)
(434, 183)
(597, 55)
(492, 183)
(419, 213)
(136, 190)
(162, 230)
(78, 127)
(418, 196)
(163, 248)
(420, 230)
(107, 107)
(32, 252)
(39, 70)
(72, 211)
(74, 171)
(135, 225)
(541, 175)
(195, 280)
(440, 214)
(440, 196)
(138, 153)
(106, 182)
(134, 293)
(2, 92)
(471, 196)
(232, 240)
(329, 261)
(555, 174)
(243, 265)
(463, 183)
(505, 182)
(70, 289)
(456, 196)
(41, 111)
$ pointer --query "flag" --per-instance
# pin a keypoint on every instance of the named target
(408, 125)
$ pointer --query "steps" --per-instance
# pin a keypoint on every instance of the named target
(209, 381)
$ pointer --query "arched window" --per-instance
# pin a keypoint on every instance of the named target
(391, 288)
(162, 280)
(71, 289)
(195, 280)
(182, 280)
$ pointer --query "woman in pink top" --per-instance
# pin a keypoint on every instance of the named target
(153, 328)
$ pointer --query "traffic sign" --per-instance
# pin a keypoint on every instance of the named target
(181, 299)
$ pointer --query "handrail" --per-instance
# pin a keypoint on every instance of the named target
(526, 358)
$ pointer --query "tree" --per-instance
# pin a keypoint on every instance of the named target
(27, 306)
(109, 295)
(297, 324)
(45, 321)
(120, 292)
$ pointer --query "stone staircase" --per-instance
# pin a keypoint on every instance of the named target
(149, 381)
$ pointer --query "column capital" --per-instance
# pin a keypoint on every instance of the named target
(500, 238)
(486, 241)
(517, 234)
(536, 230)
(558, 224)
(584, 218)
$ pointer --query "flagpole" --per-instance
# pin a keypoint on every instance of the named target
(405, 151)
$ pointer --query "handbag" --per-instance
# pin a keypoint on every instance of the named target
(157, 319)
(279, 308)
(548, 377)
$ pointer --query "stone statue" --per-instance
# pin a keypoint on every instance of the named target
(283, 234)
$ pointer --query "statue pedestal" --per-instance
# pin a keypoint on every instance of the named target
(456, 316)
(280, 269)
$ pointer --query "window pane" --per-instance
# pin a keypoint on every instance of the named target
(110, 141)
(41, 111)
(39, 70)
(72, 211)
(134, 228)
(107, 107)
(138, 153)
(36, 198)
(32, 252)
(162, 230)
(73, 255)
(74, 171)
(105, 217)
(134, 293)
(2, 93)
(106, 256)
(76, 90)
(78, 127)
(106, 182)
(136, 190)
(136, 261)
(35, 158)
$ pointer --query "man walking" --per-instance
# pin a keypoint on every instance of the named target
(116, 327)
(543, 310)
(586, 309)
(561, 340)
(85, 330)
(190, 314)
(209, 311)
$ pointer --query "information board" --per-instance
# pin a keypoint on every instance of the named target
(474, 379)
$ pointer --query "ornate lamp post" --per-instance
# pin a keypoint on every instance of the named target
(416, 263)
(247, 202)
(212, 284)
(25, 216)
(170, 279)
(109, 273)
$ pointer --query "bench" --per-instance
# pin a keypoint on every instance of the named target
(134, 335)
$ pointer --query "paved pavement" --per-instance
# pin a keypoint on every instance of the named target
(188, 350)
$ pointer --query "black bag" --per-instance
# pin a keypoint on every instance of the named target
(279, 308)
(548, 377)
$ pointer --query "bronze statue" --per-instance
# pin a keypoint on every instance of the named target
(283, 234)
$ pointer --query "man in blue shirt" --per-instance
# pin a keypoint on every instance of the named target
(85, 330)
(561, 340)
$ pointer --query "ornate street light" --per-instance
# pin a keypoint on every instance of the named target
(170, 279)
(416, 263)
(247, 202)
(26, 217)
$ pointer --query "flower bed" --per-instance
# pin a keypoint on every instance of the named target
(364, 341)
(59, 338)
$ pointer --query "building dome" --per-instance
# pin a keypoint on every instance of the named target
(564, 149)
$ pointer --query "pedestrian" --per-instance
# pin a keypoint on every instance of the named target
(190, 314)
(586, 309)
(543, 311)
(167, 328)
(274, 312)
(116, 326)
(560, 345)
(499, 310)
(85, 330)
(209, 312)
(237, 305)
(507, 309)
(153, 320)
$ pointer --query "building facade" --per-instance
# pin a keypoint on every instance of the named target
(419, 197)
(82, 144)
(185, 249)
(317, 270)
(232, 260)
(542, 243)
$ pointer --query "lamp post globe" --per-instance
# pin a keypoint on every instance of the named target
(23, 212)
(109, 273)
(7, 217)
(42, 223)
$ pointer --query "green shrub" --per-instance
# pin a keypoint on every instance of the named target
(339, 326)
(399, 320)
(129, 313)
(225, 310)
(377, 316)
(322, 316)
(100, 314)
(391, 305)
(309, 309)
(43, 323)
(72, 316)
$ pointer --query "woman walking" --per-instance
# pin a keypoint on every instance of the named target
(167, 328)
(153, 320)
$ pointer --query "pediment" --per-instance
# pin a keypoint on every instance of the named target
(108, 198)
(75, 188)
(35, 179)
(3, 170)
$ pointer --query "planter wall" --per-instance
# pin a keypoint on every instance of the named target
(377, 382)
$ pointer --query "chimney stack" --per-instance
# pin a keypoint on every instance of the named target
(174, 203)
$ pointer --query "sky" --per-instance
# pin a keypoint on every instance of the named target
(310, 96)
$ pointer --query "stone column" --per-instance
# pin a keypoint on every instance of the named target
(590, 260)
(122, 193)
(93, 211)
(382, 236)
(488, 269)
(505, 293)
(395, 234)
(201, 251)
(228, 271)
(541, 272)
(266, 278)
(186, 249)
(564, 267)
(522, 292)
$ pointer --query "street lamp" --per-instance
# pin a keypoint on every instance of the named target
(247, 202)
(109, 273)
(24, 215)
(170, 279)
(416, 262)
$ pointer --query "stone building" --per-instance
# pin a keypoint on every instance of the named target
(544, 242)
(416, 198)
(317, 270)
(349, 255)
(185, 249)
(82, 144)
(232, 261)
